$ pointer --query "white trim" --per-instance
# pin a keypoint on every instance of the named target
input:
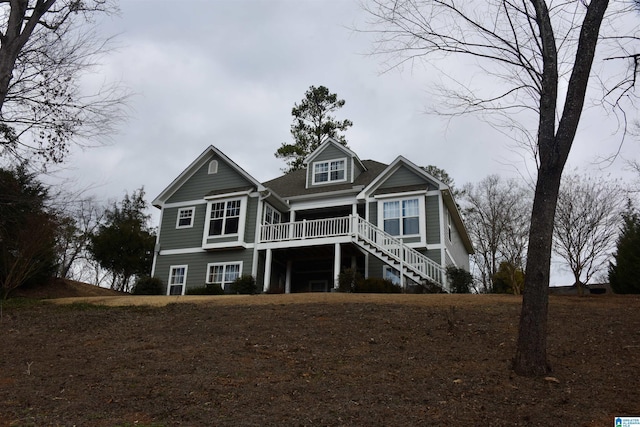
(228, 195)
(407, 194)
(329, 180)
(338, 145)
(224, 264)
(184, 282)
(422, 219)
(208, 154)
(184, 204)
(182, 251)
(193, 216)
(326, 195)
(266, 206)
(199, 250)
(213, 167)
(239, 235)
(156, 247)
(325, 203)
(392, 168)
(443, 243)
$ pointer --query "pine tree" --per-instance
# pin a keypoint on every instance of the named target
(624, 275)
(313, 123)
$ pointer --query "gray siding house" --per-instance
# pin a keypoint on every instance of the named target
(296, 233)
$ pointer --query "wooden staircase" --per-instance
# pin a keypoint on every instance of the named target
(392, 251)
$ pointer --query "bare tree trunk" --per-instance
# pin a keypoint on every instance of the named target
(531, 353)
(554, 146)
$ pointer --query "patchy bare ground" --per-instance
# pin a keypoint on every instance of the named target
(314, 360)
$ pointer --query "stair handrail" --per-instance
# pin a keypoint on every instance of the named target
(396, 249)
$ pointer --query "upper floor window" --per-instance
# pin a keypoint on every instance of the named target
(329, 171)
(449, 225)
(271, 216)
(185, 217)
(401, 217)
(224, 217)
(213, 167)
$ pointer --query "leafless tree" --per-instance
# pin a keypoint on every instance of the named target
(540, 55)
(46, 46)
(586, 224)
(79, 219)
(497, 217)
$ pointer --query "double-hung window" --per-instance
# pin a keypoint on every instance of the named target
(177, 279)
(224, 218)
(223, 274)
(185, 217)
(271, 216)
(401, 217)
(329, 171)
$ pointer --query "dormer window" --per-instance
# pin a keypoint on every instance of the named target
(329, 171)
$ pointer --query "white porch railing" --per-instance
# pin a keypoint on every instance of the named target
(301, 230)
(365, 234)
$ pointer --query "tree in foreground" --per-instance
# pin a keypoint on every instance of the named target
(27, 231)
(624, 273)
(540, 56)
(46, 47)
(312, 123)
(124, 243)
(586, 224)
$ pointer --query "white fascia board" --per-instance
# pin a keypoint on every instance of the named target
(401, 195)
(228, 195)
(326, 196)
(394, 166)
(323, 203)
(184, 204)
(326, 142)
(193, 167)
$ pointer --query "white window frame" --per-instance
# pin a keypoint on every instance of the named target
(172, 275)
(329, 164)
(224, 266)
(268, 209)
(401, 217)
(178, 218)
(213, 167)
(449, 228)
(241, 217)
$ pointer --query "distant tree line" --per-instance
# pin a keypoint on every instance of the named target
(589, 218)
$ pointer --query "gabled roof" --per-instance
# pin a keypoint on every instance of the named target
(331, 141)
(294, 183)
(193, 168)
(442, 187)
(392, 168)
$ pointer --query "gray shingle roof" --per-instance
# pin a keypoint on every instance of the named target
(293, 184)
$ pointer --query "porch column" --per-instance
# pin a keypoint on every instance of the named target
(267, 271)
(336, 265)
(287, 283)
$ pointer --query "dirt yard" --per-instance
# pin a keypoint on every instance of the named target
(314, 360)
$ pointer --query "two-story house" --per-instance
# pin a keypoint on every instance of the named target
(296, 233)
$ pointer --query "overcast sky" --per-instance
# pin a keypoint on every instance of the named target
(227, 73)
